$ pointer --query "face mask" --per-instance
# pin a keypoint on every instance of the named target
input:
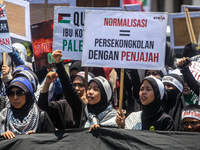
(171, 95)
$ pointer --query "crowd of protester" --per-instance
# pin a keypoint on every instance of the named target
(51, 99)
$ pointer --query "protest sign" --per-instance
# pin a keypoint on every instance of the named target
(191, 8)
(42, 40)
(124, 39)
(5, 41)
(68, 31)
(18, 15)
(195, 70)
(179, 36)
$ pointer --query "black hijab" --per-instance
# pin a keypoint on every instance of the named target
(152, 112)
(174, 101)
(106, 95)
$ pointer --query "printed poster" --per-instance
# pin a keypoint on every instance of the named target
(134, 40)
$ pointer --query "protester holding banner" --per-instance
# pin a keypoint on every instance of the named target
(192, 83)
(191, 118)
(152, 117)
(23, 116)
(174, 102)
(99, 109)
(6, 67)
(189, 78)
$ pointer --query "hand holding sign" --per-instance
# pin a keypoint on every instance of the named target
(120, 119)
(5, 70)
(57, 56)
(184, 62)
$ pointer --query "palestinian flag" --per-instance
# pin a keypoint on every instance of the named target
(64, 18)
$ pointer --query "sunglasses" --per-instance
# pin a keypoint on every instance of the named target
(19, 93)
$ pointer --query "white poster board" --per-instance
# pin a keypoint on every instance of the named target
(124, 39)
(195, 70)
(5, 41)
(69, 29)
(179, 36)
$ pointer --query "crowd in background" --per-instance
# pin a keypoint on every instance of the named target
(51, 99)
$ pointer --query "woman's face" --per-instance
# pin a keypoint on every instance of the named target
(153, 73)
(79, 85)
(168, 86)
(146, 93)
(186, 89)
(93, 93)
(17, 97)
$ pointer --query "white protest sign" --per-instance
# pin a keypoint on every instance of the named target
(124, 39)
(5, 41)
(195, 70)
(68, 31)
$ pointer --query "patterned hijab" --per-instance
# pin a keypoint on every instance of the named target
(21, 120)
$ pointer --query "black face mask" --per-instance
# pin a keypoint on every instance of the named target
(171, 94)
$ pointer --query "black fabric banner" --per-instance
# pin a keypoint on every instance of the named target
(104, 139)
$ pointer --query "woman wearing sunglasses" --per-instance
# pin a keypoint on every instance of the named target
(23, 116)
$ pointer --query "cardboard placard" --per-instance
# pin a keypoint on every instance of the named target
(179, 36)
(124, 39)
(18, 16)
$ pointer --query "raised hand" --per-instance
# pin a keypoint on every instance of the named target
(51, 77)
(182, 62)
(57, 56)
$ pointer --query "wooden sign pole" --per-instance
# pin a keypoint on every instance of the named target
(121, 92)
(190, 27)
(86, 78)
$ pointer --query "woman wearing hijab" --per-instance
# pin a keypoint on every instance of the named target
(99, 109)
(174, 101)
(23, 116)
(152, 117)
(60, 111)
